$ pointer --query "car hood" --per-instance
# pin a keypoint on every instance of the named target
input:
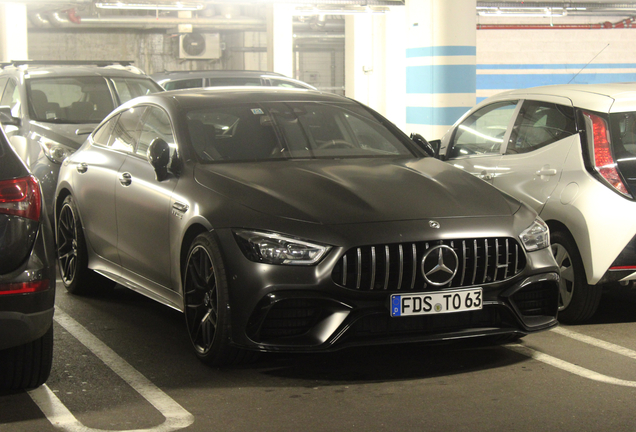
(71, 135)
(356, 190)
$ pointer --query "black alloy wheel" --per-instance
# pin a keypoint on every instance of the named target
(201, 300)
(67, 244)
(206, 305)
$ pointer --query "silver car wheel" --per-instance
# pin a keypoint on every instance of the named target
(566, 284)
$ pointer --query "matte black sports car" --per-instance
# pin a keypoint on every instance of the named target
(290, 220)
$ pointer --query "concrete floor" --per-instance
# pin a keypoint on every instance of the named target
(123, 362)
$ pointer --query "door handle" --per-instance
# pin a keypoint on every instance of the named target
(125, 179)
(546, 172)
(82, 167)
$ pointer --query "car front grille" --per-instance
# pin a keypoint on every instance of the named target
(398, 267)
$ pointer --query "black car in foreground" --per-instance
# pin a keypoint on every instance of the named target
(27, 276)
(291, 220)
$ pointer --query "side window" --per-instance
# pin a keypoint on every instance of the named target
(11, 97)
(3, 83)
(184, 84)
(540, 124)
(130, 88)
(126, 131)
(102, 135)
(156, 124)
(483, 131)
(287, 84)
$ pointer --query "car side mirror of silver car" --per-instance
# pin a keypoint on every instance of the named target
(6, 118)
(431, 149)
(159, 157)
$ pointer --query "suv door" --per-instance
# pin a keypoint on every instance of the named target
(478, 141)
(541, 138)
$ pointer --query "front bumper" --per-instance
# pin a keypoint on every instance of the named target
(302, 309)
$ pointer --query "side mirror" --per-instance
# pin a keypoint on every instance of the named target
(159, 157)
(431, 150)
(6, 118)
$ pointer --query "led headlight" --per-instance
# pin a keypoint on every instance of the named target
(273, 248)
(536, 236)
(54, 150)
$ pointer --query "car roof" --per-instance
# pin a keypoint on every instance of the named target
(201, 97)
(73, 70)
(614, 97)
(214, 73)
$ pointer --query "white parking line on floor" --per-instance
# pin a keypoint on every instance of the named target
(60, 417)
(568, 367)
(596, 342)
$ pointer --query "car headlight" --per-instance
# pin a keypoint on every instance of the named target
(273, 248)
(54, 150)
(536, 236)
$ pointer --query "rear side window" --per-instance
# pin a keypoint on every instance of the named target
(221, 82)
(130, 88)
(184, 84)
(482, 133)
(624, 134)
(540, 124)
(126, 130)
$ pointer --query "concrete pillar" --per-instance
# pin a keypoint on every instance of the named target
(375, 51)
(440, 64)
(13, 31)
(280, 39)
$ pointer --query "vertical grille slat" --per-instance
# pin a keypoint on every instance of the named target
(414, 268)
(401, 273)
(373, 267)
(386, 267)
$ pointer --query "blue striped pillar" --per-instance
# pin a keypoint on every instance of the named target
(440, 64)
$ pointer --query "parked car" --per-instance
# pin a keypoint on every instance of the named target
(568, 151)
(291, 220)
(178, 80)
(27, 276)
(48, 109)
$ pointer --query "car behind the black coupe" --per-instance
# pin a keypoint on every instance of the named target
(290, 220)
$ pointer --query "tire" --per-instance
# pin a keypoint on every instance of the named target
(578, 300)
(72, 253)
(27, 366)
(206, 305)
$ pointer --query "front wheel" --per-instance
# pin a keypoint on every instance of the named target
(206, 304)
(578, 300)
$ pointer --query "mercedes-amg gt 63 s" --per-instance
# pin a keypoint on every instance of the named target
(292, 220)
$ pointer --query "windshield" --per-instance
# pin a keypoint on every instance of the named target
(69, 100)
(291, 130)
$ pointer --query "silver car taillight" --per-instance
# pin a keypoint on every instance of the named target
(601, 152)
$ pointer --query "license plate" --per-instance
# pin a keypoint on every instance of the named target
(436, 302)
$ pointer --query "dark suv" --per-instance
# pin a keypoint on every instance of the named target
(27, 276)
(48, 109)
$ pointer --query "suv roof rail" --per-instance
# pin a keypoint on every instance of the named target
(17, 63)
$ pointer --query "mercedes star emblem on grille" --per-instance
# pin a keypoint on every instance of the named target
(434, 224)
(439, 265)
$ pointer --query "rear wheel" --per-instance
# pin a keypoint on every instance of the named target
(578, 300)
(72, 254)
(206, 305)
(27, 366)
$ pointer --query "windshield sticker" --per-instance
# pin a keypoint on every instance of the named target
(257, 111)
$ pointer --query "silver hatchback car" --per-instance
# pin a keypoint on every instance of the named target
(568, 151)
